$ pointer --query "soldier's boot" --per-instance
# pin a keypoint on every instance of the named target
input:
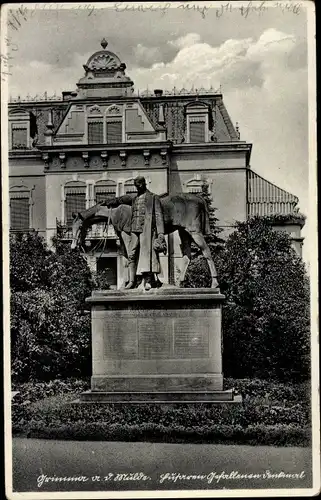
(147, 281)
(132, 276)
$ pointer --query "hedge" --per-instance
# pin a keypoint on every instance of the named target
(271, 414)
(259, 434)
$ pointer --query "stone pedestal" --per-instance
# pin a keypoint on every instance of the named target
(161, 345)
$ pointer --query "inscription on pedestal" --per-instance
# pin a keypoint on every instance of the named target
(147, 337)
(154, 338)
(191, 339)
(120, 340)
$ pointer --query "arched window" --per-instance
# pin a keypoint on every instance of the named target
(114, 125)
(194, 186)
(20, 208)
(95, 126)
(75, 199)
(129, 187)
(104, 190)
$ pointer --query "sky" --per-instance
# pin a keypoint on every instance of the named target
(258, 55)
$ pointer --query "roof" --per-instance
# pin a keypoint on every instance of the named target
(174, 113)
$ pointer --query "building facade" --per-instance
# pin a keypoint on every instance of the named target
(68, 153)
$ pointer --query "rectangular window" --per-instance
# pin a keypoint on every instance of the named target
(114, 132)
(75, 202)
(19, 214)
(19, 138)
(197, 132)
(95, 133)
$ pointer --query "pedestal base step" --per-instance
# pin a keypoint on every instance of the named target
(160, 397)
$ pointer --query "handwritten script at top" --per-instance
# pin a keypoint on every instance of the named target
(17, 16)
(22, 14)
(245, 10)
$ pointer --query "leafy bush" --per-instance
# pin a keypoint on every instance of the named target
(266, 327)
(49, 336)
(31, 262)
(32, 392)
(50, 330)
(272, 391)
(101, 280)
(265, 318)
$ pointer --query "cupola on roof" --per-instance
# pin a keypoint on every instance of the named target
(105, 76)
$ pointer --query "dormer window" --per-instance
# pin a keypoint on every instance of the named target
(114, 124)
(197, 123)
(105, 128)
(114, 132)
(22, 129)
(95, 132)
(197, 129)
(19, 137)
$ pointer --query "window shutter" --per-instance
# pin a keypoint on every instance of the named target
(19, 138)
(105, 195)
(105, 190)
(19, 214)
(114, 132)
(75, 202)
(197, 132)
(95, 133)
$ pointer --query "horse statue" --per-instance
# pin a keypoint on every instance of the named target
(183, 212)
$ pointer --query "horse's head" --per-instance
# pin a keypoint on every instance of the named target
(76, 229)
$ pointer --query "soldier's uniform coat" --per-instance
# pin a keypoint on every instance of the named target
(147, 222)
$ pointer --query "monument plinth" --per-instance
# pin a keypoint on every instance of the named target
(160, 345)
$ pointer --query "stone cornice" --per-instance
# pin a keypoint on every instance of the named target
(112, 148)
(214, 147)
(42, 104)
(24, 153)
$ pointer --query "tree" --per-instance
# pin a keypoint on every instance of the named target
(74, 276)
(50, 337)
(30, 262)
(198, 275)
(266, 328)
(50, 329)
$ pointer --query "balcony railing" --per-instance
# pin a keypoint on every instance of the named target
(97, 232)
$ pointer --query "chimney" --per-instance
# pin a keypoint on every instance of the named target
(49, 129)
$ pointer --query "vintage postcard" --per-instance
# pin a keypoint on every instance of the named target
(159, 201)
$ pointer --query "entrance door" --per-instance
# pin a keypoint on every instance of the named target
(109, 266)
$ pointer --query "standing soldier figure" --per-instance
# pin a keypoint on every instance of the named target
(147, 233)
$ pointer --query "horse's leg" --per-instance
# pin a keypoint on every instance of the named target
(186, 251)
(202, 245)
(125, 241)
